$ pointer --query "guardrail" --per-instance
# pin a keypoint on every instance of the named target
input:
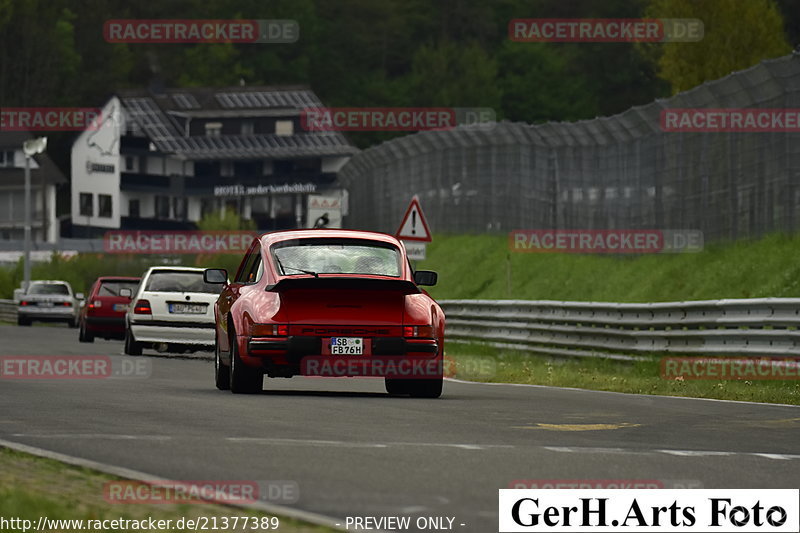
(8, 311)
(761, 326)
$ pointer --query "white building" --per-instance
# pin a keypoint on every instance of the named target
(163, 161)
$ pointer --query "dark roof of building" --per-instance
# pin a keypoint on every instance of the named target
(16, 176)
(157, 115)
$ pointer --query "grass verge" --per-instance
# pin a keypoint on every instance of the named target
(476, 362)
(33, 487)
(481, 266)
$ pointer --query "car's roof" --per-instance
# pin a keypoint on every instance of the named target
(119, 278)
(43, 281)
(175, 268)
(277, 236)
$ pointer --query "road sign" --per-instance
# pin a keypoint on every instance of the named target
(414, 226)
(415, 250)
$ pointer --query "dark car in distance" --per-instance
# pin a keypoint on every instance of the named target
(103, 315)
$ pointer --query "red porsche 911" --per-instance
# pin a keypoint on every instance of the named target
(337, 303)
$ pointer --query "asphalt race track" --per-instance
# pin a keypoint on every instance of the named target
(355, 451)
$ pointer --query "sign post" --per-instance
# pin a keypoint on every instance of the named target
(414, 231)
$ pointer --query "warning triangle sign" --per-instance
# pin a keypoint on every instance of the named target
(414, 226)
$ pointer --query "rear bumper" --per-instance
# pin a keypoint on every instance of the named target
(105, 323)
(389, 357)
(196, 333)
(46, 313)
(299, 347)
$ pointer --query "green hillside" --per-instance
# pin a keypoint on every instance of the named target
(481, 266)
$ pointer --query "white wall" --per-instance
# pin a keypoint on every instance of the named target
(101, 147)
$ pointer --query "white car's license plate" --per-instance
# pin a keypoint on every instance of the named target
(45, 304)
(347, 346)
(120, 307)
(187, 309)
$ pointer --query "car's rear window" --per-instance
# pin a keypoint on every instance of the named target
(49, 288)
(179, 281)
(113, 286)
(336, 256)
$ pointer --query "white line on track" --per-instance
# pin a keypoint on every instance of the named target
(92, 436)
(674, 453)
(344, 444)
(460, 446)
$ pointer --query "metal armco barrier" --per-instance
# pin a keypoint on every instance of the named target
(760, 326)
(8, 311)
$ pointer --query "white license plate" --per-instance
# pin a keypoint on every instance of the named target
(187, 309)
(120, 307)
(45, 304)
(347, 346)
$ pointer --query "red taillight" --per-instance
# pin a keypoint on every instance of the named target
(23, 303)
(142, 307)
(96, 303)
(418, 331)
(269, 330)
(66, 304)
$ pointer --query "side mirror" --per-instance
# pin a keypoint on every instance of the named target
(215, 275)
(79, 296)
(126, 293)
(426, 277)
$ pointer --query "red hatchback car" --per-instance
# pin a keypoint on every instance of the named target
(332, 303)
(103, 314)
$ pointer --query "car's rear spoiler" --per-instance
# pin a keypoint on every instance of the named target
(345, 283)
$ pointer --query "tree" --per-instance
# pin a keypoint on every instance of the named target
(230, 221)
(738, 34)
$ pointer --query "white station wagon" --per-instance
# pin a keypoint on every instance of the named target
(172, 310)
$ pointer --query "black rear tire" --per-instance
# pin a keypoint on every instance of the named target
(83, 335)
(131, 346)
(23, 321)
(425, 388)
(222, 373)
(243, 379)
(396, 387)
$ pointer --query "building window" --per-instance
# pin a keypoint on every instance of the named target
(162, 206)
(226, 169)
(283, 166)
(86, 201)
(248, 127)
(129, 164)
(133, 208)
(179, 208)
(284, 127)
(213, 129)
(6, 158)
(207, 206)
(104, 205)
